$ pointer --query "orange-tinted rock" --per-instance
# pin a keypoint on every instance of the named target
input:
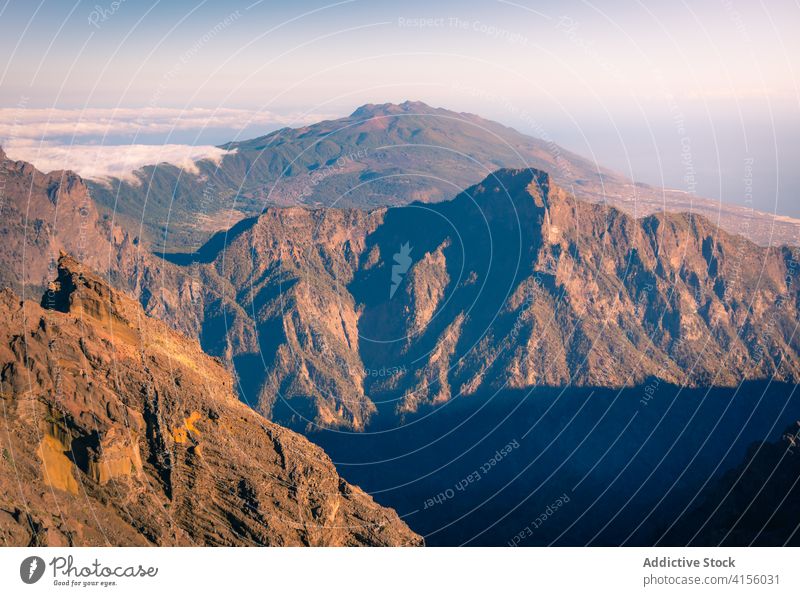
(140, 439)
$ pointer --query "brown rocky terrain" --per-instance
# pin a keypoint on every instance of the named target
(512, 284)
(42, 214)
(347, 318)
(119, 431)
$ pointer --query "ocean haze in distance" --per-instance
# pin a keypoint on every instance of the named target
(698, 98)
(739, 161)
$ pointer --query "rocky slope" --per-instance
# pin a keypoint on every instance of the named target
(385, 155)
(331, 316)
(43, 214)
(119, 431)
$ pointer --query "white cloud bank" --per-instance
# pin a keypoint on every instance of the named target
(28, 134)
(110, 161)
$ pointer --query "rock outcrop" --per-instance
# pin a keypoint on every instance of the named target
(43, 214)
(120, 431)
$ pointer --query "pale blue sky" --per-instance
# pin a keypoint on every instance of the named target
(88, 53)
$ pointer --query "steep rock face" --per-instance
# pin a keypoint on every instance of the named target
(42, 214)
(609, 300)
(307, 324)
(333, 316)
(120, 431)
(273, 305)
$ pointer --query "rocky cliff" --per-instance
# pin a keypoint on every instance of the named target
(331, 316)
(43, 214)
(120, 431)
(336, 317)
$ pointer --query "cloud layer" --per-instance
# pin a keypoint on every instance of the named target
(45, 123)
(110, 161)
(30, 135)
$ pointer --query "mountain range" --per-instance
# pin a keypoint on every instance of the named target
(384, 273)
(512, 284)
(384, 155)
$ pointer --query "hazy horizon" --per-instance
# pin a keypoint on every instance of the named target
(699, 98)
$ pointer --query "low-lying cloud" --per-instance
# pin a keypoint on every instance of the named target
(110, 161)
(38, 135)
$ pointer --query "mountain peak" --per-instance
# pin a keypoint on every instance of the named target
(81, 291)
(517, 177)
(518, 184)
(371, 110)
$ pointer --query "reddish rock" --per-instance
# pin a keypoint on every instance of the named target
(120, 431)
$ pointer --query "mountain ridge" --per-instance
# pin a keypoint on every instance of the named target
(565, 292)
(45, 213)
(295, 300)
(386, 155)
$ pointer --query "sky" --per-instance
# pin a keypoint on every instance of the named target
(651, 89)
